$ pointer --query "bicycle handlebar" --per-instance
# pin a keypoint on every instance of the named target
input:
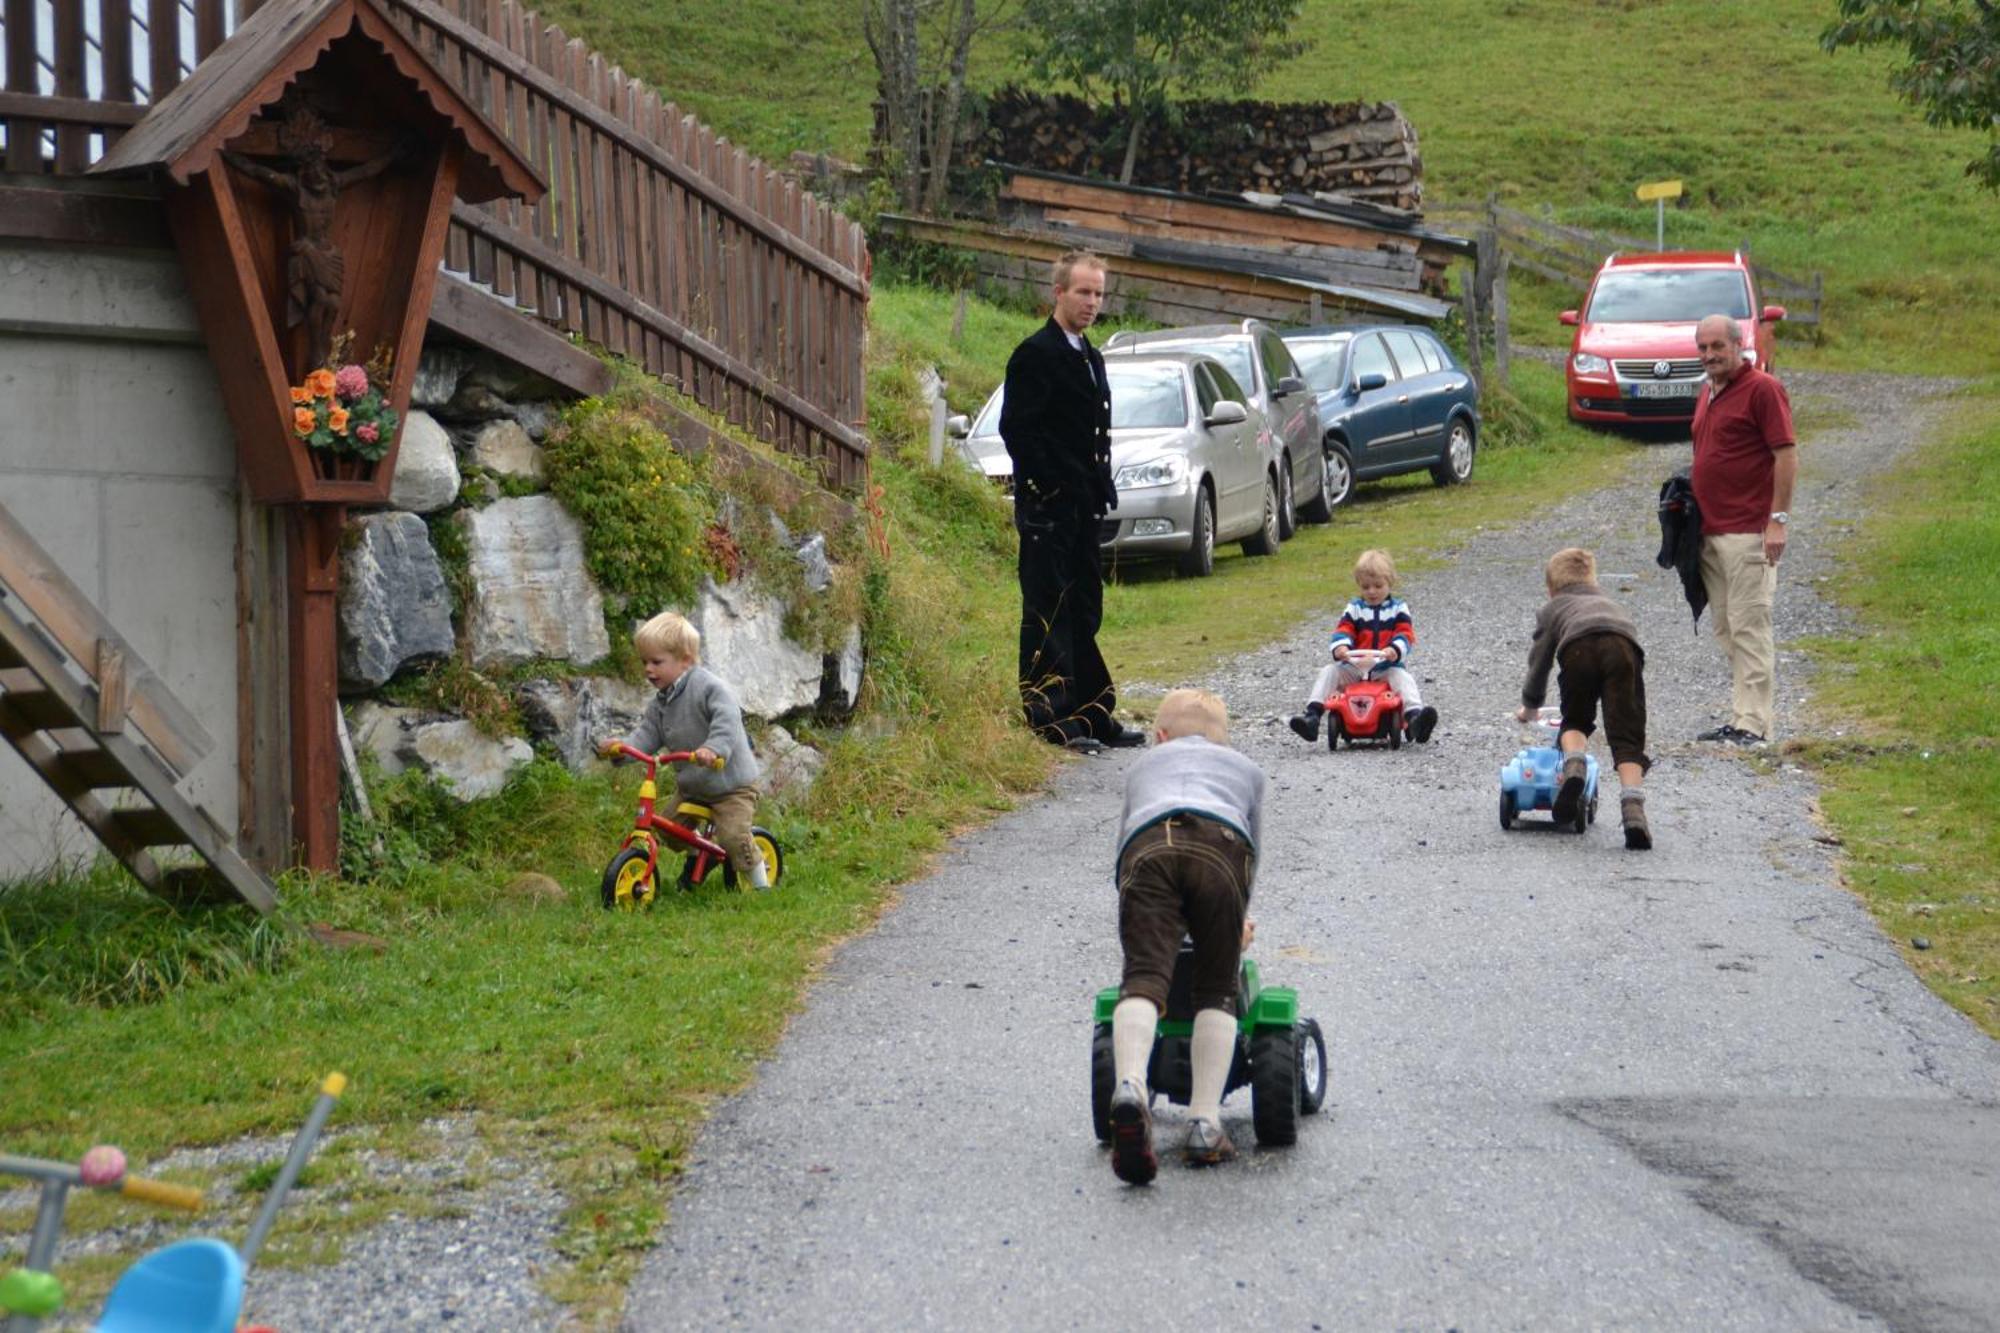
(114, 1178)
(653, 761)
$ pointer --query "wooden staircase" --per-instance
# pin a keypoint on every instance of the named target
(107, 735)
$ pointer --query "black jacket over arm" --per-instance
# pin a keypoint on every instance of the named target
(1056, 422)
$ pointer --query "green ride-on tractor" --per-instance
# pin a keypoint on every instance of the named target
(1280, 1056)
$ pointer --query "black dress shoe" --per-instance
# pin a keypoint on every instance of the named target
(1125, 738)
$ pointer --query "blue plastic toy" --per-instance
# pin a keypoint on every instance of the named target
(1528, 781)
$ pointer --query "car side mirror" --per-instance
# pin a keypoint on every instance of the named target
(1372, 380)
(1226, 413)
(958, 426)
(1288, 384)
(1567, 317)
(1772, 314)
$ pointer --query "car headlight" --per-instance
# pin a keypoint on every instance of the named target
(1583, 363)
(1156, 472)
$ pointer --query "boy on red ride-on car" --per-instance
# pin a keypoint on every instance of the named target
(1378, 622)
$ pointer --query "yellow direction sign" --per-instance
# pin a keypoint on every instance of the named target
(1659, 190)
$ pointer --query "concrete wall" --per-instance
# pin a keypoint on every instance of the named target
(116, 454)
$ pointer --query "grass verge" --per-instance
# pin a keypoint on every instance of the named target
(1910, 768)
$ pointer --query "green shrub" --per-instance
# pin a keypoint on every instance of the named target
(642, 505)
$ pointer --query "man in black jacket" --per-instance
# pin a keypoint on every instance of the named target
(1055, 418)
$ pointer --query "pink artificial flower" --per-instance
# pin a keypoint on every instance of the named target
(350, 382)
(367, 434)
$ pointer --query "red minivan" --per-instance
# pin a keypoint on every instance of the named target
(1633, 358)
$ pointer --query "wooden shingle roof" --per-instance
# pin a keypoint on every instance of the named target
(187, 128)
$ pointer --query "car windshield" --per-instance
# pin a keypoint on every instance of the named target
(1668, 295)
(1146, 397)
(1143, 397)
(1231, 352)
(1319, 359)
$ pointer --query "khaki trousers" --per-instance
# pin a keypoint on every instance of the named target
(733, 813)
(1741, 585)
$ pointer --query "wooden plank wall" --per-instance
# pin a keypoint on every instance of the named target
(657, 239)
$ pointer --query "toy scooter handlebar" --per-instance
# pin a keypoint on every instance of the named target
(162, 1193)
(653, 761)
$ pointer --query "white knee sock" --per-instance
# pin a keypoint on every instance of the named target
(760, 874)
(1133, 1024)
(1214, 1051)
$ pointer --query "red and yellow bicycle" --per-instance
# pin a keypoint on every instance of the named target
(632, 878)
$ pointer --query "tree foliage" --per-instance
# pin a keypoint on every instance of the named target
(1136, 52)
(1953, 74)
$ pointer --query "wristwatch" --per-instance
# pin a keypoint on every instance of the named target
(1781, 518)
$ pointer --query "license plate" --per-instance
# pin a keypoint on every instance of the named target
(1665, 389)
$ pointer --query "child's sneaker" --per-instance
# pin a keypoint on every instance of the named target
(1638, 837)
(1306, 724)
(1207, 1145)
(1422, 723)
(1569, 796)
(1132, 1158)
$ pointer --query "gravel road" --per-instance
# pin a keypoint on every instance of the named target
(1572, 1086)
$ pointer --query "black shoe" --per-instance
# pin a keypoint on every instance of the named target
(1723, 734)
(1748, 740)
(1569, 796)
(1422, 723)
(1306, 725)
(1132, 1158)
(1124, 738)
(1084, 745)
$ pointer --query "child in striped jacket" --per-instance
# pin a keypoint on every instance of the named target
(1379, 622)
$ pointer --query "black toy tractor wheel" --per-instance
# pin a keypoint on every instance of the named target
(767, 847)
(1312, 1067)
(1590, 811)
(628, 881)
(1584, 814)
(1103, 1074)
(1507, 811)
(1274, 1087)
(1395, 725)
(1335, 729)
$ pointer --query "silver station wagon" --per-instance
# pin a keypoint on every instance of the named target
(1185, 455)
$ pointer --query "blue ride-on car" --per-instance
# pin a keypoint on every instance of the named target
(1528, 781)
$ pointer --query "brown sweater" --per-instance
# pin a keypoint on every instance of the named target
(1569, 614)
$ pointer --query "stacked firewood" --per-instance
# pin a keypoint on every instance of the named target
(1357, 150)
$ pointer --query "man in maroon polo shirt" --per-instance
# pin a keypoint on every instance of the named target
(1745, 460)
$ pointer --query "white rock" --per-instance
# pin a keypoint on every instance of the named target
(394, 609)
(847, 674)
(383, 732)
(743, 641)
(426, 477)
(532, 596)
(574, 715)
(503, 447)
(473, 766)
(790, 767)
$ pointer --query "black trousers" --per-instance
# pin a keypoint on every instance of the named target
(1065, 686)
(1609, 668)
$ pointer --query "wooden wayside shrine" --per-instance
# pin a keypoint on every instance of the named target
(309, 167)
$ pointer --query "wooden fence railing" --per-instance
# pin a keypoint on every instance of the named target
(657, 239)
(1572, 255)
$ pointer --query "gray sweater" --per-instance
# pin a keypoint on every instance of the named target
(1570, 613)
(1192, 775)
(697, 710)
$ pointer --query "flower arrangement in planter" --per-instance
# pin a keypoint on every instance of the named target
(342, 410)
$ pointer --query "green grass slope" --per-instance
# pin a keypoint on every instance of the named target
(1560, 103)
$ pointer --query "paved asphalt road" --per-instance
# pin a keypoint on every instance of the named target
(1573, 1087)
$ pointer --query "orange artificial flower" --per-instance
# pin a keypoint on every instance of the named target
(302, 421)
(300, 395)
(320, 382)
(336, 421)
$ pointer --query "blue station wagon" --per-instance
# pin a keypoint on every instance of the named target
(1391, 400)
